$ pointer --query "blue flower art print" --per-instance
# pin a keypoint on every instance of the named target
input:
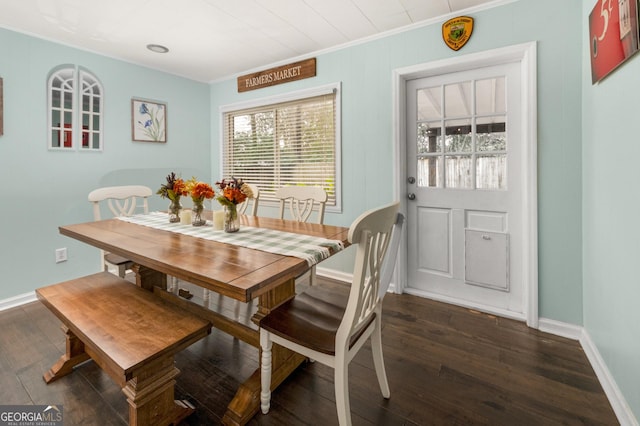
(149, 121)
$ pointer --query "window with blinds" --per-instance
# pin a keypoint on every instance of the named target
(292, 142)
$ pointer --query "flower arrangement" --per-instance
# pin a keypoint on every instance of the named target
(199, 191)
(173, 190)
(234, 192)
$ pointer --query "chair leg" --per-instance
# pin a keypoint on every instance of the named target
(378, 360)
(341, 382)
(122, 270)
(173, 287)
(312, 276)
(265, 373)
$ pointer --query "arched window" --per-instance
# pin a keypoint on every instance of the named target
(75, 110)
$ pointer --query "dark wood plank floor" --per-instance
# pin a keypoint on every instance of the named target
(446, 366)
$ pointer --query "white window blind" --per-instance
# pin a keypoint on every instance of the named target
(286, 143)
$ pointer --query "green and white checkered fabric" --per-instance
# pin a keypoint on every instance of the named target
(312, 249)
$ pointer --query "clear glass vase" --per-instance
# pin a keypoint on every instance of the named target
(231, 223)
(197, 219)
(174, 211)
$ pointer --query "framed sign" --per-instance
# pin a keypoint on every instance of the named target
(613, 35)
(148, 121)
(272, 76)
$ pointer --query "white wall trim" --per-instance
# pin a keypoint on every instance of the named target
(562, 329)
(15, 301)
(616, 398)
(334, 274)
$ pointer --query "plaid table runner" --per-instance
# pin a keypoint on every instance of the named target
(312, 249)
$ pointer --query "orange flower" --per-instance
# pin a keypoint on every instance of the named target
(202, 190)
(198, 190)
(179, 187)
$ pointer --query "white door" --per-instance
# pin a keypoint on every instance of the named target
(464, 184)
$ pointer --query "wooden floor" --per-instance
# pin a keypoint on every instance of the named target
(446, 366)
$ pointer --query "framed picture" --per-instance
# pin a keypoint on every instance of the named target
(613, 35)
(148, 121)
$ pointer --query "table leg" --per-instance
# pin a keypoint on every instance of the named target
(246, 402)
(148, 278)
(150, 395)
(73, 356)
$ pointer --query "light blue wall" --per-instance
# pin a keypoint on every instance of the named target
(611, 246)
(365, 72)
(44, 189)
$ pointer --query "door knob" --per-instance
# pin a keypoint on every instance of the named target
(411, 179)
(411, 196)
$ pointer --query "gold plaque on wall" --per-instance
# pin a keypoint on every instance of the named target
(456, 32)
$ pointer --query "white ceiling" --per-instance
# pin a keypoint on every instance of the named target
(213, 39)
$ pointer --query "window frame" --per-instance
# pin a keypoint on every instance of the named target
(79, 76)
(334, 88)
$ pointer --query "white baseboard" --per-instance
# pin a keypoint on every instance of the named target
(21, 299)
(334, 275)
(562, 329)
(617, 400)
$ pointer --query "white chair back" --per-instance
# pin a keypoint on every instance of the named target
(389, 263)
(121, 200)
(371, 233)
(302, 200)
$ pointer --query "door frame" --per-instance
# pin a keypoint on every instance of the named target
(525, 55)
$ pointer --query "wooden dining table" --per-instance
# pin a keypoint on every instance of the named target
(241, 273)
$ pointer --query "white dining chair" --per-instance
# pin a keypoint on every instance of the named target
(123, 200)
(331, 326)
(298, 203)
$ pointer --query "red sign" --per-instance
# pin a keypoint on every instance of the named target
(613, 35)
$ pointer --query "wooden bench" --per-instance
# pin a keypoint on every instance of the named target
(131, 334)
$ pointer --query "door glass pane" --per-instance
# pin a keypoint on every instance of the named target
(491, 133)
(459, 173)
(490, 96)
(458, 137)
(428, 173)
(457, 99)
(429, 137)
(491, 171)
(429, 103)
